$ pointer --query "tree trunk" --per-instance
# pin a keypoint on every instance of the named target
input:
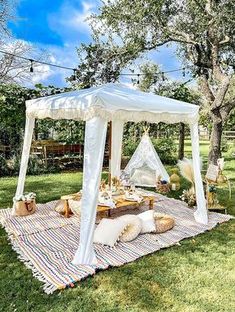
(215, 142)
(181, 141)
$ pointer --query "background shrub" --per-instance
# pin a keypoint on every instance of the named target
(165, 147)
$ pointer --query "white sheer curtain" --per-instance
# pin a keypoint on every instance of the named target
(29, 126)
(95, 135)
(201, 212)
(116, 148)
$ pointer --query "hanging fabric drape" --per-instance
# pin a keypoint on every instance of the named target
(201, 212)
(28, 134)
(95, 134)
(116, 147)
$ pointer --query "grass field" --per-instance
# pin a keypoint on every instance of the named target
(197, 276)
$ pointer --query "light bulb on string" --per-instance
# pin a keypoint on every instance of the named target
(183, 73)
(31, 66)
(163, 77)
(138, 78)
(74, 74)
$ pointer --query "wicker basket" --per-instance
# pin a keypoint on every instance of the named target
(25, 208)
(163, 188)
(163, 222)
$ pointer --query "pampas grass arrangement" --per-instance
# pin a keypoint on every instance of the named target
(186, 170)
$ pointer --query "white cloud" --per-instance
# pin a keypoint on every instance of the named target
(70, 22)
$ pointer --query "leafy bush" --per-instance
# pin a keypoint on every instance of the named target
(11, 167)
(129, 147)
(224, 145)
(3, 166)
(166, 149)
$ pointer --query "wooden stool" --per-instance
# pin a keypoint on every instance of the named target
(67, 210)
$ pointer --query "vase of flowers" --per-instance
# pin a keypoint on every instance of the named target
(189, 197)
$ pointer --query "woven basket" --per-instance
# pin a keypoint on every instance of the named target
(163, 188)
(163, 222)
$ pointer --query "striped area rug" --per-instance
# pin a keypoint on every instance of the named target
(46, 242)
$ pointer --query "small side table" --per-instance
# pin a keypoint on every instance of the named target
(67, 211)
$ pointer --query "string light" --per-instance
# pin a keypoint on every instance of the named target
(31, 66)
(74, 74)
(138, 79)
(32, 62)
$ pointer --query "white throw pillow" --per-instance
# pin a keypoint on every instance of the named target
(133, 229)
(148, 222)
(108, 231)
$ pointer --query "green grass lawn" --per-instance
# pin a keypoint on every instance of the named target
(197, 276)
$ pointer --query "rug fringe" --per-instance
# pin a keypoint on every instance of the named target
(47, 286)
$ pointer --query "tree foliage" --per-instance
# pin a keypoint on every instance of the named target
(203, 31)
(99, 63)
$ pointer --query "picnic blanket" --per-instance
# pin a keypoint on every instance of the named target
(46, 242)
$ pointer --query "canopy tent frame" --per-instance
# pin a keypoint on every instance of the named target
(97, 106)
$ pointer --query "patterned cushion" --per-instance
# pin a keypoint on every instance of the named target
(147, 219)
(133, 229)
(108, 231)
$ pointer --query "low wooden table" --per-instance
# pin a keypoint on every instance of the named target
(120, 203)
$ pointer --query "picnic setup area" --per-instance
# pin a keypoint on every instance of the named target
(117, 156)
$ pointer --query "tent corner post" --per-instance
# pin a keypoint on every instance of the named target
(28, 134)
(201, 214)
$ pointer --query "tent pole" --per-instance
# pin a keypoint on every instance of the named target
(110, 152)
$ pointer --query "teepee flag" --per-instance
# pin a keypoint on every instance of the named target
(145, 165)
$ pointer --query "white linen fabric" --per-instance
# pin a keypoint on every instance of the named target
(112, 102)
(201, 214)
(144, 156)
(116, 149)
(29, 126)
(95, 134)
(148, 222)
(96, 106)
(108, 231)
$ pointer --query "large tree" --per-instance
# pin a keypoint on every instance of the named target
(203, 31)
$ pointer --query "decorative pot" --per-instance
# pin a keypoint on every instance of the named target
(175, 180)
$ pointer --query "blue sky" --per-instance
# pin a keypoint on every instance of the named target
(58, 27)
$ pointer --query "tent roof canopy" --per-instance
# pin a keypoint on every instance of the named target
(112, 101)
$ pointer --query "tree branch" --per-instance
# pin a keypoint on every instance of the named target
(206, 89)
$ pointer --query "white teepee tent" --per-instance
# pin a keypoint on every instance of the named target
(145, 165)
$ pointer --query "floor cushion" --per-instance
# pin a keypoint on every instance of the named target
(148, 222)
(108, 231)
(163, 222)
(75, 206)
(133, 229)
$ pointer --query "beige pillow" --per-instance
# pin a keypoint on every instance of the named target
(147, 220)
(75, 206)
(108, 231)
(163, 222)
(133, 229)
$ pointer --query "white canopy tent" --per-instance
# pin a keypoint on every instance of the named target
(145, 166)
(97, 106)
